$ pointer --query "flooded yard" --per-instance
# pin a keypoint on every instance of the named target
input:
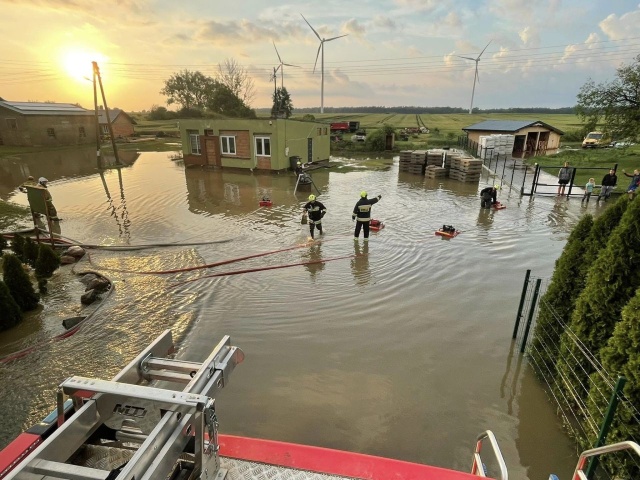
(399, 347)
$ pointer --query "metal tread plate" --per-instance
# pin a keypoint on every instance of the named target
(246, 470)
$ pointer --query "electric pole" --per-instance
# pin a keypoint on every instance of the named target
(96, 72)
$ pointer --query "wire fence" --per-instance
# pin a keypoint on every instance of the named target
(582, 405)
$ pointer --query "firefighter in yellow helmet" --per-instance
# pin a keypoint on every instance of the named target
(315, 211)
(362, 212)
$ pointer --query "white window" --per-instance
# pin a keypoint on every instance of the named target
(263, 146)
(105, 129)
(194, 141)
(228, 144)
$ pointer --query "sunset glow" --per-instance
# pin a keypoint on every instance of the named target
(77, 63)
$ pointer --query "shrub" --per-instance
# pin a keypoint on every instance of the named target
(17, 245)
(3, 244)
(307, 117)
(18, 283)
(376, 141)
(30, 252)
(11, 314)
(47, 262)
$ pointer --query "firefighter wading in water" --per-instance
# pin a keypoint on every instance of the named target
(362, 212)
(315, 211)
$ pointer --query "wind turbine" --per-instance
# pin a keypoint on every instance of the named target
(476, 77)
(321, 47)
(282, 64)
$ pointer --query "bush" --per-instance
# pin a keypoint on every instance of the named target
(3, 244)
(11, 314)
(307, 117)
(18, 283)
(30, 252)
(17, 246)
(47, 262)
(376, 141)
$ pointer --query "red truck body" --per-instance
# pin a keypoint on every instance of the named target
(340, 127)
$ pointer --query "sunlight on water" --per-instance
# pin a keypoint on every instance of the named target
(397, 347)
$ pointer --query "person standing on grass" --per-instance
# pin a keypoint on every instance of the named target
(362, 213)
(609, 181)
(635, 180)
(564, 176)
(588, 190)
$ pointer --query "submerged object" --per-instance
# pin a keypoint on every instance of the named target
(266, 203)
(376, 225)
(499, 206)
(447, 231)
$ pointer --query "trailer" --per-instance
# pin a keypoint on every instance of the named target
(337, 127)
(353, 126)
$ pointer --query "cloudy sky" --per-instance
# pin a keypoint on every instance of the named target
(396, 52)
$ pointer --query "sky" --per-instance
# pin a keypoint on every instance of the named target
(395, 52)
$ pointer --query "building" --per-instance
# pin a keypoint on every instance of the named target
(531, 137)
(121, 123)
(36, 124)
(262, 144)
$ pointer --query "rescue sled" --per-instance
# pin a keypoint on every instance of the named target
(499, 206)
(444, 234)
(376, 225)
(266, 203)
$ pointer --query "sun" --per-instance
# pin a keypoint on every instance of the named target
(77, 63)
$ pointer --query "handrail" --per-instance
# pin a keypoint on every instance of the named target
(579, 474)
(477, 468)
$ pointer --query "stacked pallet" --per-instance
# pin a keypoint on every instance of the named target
(490, 146)
(465, 169)
(413, 161)
(434, 158)
(435, 172)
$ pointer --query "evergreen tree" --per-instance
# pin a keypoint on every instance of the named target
(559, 300)
(18, 283)
(620, 357)
(611, 282)
(282, 106)
(17, 245)
(11, 314)
(47, 262)
(3, 244)
(602, 228)
(30, 252)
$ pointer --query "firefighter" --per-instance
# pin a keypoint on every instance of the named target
(362, 212)
(489, 196)
(29, 182)
(51, 210)
(315, 211)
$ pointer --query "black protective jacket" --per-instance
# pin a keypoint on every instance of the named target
(362, 210)
(315, 210)
(489, 193)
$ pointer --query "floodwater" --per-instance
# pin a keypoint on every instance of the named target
(400, 348)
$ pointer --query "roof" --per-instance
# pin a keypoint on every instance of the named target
(509, 126)
(44, 108)
(113, 114)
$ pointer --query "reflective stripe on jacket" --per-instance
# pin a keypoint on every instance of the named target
(362, 210)
(315, 211)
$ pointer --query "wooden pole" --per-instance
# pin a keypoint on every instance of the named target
(95, 107)
(106, 110)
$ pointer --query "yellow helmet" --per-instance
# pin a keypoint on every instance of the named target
(496, 186)
(298, 163)
(363, 194)
(312, 197)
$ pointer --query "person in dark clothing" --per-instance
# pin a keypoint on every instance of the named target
(315, 211)
(489, 196)
(609, 181)
(564, 177)
(635, 181)
(362, 213)
(299, 169)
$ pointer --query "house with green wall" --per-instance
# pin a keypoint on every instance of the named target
(254, 144)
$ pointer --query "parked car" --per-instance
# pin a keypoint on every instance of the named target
(595, 140)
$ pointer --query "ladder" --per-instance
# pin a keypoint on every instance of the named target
(127, 429)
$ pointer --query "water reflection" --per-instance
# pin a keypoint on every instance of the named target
(485, 219)
(360, 263)
(314, 254)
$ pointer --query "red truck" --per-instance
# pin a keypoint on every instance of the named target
(339, 127)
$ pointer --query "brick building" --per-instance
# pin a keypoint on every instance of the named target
(35, 124)
(121, 123)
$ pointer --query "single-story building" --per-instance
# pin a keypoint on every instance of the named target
(262, 144)
(121, 123)
(35, 124)
(531, 137)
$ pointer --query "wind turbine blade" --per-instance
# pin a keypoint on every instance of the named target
(314, 30)
(333, 38)
(483, 50)
(317, 55)
(277, 53)
(466, 58)
(289, 65)
(275, 70)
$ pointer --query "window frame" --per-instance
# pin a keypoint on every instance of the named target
(225, 149)
(261, 140)
(51, 132)
(194, 135)
(82, 133)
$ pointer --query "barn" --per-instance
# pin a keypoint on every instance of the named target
(531, 136)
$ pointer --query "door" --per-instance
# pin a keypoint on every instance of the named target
(309, 149)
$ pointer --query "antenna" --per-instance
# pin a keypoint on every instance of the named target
(320, 48)
(475, 77)
(282, 65)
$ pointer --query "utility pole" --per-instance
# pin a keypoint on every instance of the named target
(95, 109)
(96, 71)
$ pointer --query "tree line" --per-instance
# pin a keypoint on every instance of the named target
(429, 110)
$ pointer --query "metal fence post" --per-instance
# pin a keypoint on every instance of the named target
(504, 167)
(606, 424)
(513, 171)
(524, 179)
(521, 306)
(535, 177)
(532, 309)
(573, 176)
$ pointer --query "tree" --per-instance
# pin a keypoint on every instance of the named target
(188, 89)
(17, 245)
(3, 244)
(282, 106)
(224, 102)
(307, 117)
(237, 79)
(616, 103)
(11, 314)
(47, 261)
(30, 252)
(18, 283)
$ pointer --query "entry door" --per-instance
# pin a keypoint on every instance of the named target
(309, 149)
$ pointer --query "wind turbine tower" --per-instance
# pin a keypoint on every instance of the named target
(321, 48)
(282, 65)
(475, 77)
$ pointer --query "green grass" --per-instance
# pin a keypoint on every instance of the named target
(12, 215)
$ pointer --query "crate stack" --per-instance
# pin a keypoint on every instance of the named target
(498, 144)
(413, 161)
(465, 169)
(435, 172)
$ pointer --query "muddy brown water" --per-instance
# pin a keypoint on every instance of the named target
(402, 351)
